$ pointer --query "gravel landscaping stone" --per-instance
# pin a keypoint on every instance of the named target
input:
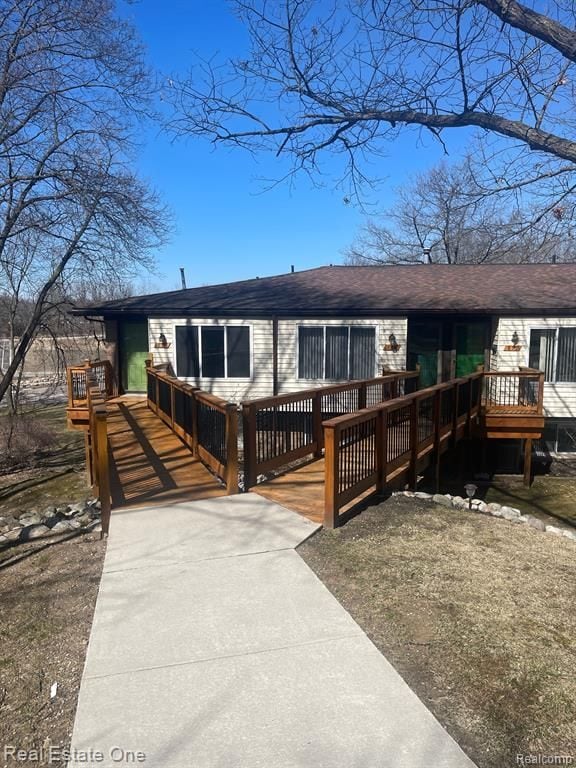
(535, 522)
(438, 498)
(37, 532)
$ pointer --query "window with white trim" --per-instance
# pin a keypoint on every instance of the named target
(336, 352)
(213, 352)
(553, 350)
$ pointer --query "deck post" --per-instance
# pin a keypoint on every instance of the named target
(88, 455)
(455, 405)
(231, 449)
(381, 449)
(172, 399)
(317, 431)
(94, 467)
(331, 465)
(249, 434)
(413, 471)
(470, 408)
(528, 461)
(540, 406)
(437, 446)
(362, 389)
(194, 425)
(103, 466)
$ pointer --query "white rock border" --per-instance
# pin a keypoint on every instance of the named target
(510, 514)
(29, 525)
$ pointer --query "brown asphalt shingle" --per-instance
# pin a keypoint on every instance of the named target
(372, 291)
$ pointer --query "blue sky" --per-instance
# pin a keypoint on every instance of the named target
(227, 226)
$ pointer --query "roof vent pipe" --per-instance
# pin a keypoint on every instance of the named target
(183, 278)
(291, 267)
(426, 254)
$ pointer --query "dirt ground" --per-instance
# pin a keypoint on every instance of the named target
(476, 614)
(48, 592)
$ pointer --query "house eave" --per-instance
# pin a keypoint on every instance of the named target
(320, 312)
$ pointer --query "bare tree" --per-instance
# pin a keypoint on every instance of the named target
(347, 76)
(72, 87)
(447, 215)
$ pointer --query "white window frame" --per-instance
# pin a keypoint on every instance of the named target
(224, 326)
(556, 329)
(333, 325)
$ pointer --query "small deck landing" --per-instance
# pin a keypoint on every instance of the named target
(301, 490)
(149, 463)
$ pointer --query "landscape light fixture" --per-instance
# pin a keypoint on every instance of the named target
(470, 489)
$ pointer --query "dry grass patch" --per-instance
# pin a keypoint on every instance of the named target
(45, 463)
(477, 614)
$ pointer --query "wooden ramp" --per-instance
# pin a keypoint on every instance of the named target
(149, 463)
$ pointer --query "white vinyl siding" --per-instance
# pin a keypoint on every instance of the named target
(515, 332)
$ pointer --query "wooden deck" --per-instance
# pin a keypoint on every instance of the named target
(149, 463)
(301, 490)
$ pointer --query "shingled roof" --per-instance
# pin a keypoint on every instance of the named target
(372, 291)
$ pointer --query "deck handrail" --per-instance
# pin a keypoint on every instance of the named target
(371, 448)
(206, 423)
(281, 429)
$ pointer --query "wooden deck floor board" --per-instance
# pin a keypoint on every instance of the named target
(149, 463)
(302, 490)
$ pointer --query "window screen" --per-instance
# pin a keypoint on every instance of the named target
(362, 352)
(541, 355)
(311, 353)
(238, 352)
(187, 359)
(566, 364)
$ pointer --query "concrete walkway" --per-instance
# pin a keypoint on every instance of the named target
(214, 645)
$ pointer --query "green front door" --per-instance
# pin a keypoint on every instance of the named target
(133, 353)
(471, 343)
(423, 345)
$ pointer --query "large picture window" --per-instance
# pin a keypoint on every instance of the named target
(213, 352)
(553, 350)
(336, 352)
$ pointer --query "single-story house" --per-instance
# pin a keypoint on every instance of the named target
(272, 335)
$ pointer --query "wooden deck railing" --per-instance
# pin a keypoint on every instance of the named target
(76, 378)
(96, 444)
(207, 424)
(369, 449)
(282, 429)
(511, 391)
